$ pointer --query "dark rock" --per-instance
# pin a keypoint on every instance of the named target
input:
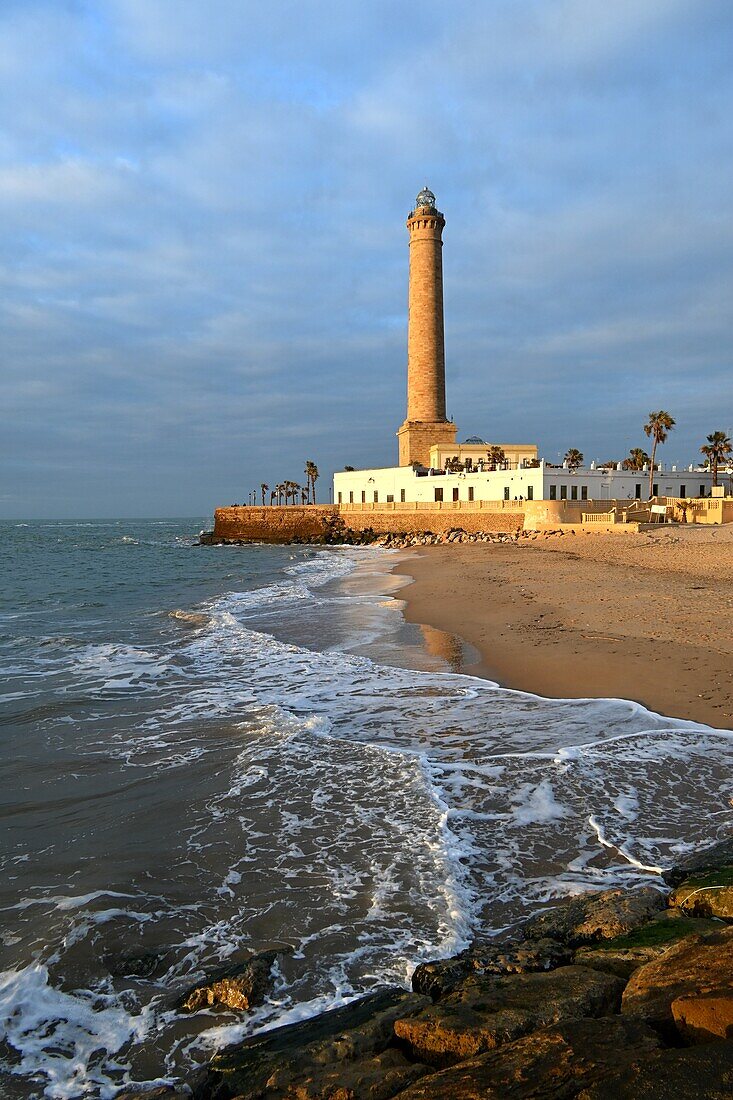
(705, 1073)
(554, 1062)
(598, 916)
(144, 965)
(714, 858)
(699, 964)
(162, 1092)
(485, 1012)
(625, 954)
(235, 987)
(437, 978)
(346, 1053)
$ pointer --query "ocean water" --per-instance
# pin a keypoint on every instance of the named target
(209, 751)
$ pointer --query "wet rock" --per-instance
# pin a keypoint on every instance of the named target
(705, 1073)
(144, 965)
(699, 964)
(162, 1092)
(714, 858)
(704, 1018)
(625, 954)
(485, 1012)
(345, 1054)
(706, 894)
(554, 1062)
(235, 987)
(437, 978)
(598, 916)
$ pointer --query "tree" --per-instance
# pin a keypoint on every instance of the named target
(454, 465)
(574, 458)
(716, 450)
(264, 489)
(349, 469)
(314, 478)
(637, 460)
(496, 456)
(657, 427)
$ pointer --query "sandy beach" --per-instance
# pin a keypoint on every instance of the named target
(645, 616)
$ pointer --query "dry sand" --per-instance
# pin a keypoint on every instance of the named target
(645, 616)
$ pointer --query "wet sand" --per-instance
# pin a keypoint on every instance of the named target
(645, 616)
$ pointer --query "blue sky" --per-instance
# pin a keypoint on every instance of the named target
(203, 253)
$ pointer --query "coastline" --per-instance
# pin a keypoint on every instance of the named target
(646, 617)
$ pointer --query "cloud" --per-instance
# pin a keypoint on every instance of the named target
(203, 257)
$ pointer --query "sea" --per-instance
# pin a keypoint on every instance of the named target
(213, 751)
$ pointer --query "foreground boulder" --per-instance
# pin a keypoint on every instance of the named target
(555, 1062)
(704, 1017)
(705, 1073)
(592, 917)
(625, 954)
(707, 894)
(346, 1053)
(698, 965)
(437, 978)
(485, 1012)
(239, 988)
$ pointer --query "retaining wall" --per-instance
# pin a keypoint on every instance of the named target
(436, 520)
(273, 524)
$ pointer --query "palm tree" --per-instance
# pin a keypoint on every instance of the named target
(716, 450)
(637, 460)
(309, 468)
(657, 427)
(314, 479)
(496, 456)
(263, 489)
(574, 458)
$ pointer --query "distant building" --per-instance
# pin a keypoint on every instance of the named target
(432, 466)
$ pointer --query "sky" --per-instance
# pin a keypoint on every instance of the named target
(203, 252)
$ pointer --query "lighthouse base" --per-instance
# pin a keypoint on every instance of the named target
(416, 437)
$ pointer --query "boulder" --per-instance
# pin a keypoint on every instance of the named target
(704, 1018)
(714, 858)
(554, 1062)
(484, 1012)
(625, 954)
(705, 1073)
(237, 987)
(437, 978)
(598, 916)
(706, 894)
(696, 965)
(346, 1053)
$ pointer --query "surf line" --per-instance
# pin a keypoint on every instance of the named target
(620, 851)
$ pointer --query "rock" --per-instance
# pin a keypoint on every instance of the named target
(714, 858)
(485, 1012)
(625, 954)
(338, 1055)
(162, 1092)
(437, 978)
(598, 916)
(704, 1018)
(705, 1073)
(554, 1062)
(235, 987)
(699, 964)
(706, 894)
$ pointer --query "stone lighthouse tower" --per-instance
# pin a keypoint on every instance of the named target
(426, 422)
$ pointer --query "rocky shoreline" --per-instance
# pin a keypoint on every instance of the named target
(622, 994)
(336, 535)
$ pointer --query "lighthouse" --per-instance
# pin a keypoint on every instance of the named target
(426, 424)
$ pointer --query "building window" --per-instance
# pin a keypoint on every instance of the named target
(530, 492)
(553, 492)
(583, 492)
(563, 492)
(351, 498)
(455, 494)
(340, 501)
(376, 497)
(702, 490)
(638, 492)
(363, 496)
(573, 492)
(682, 490)
(470, 492)
(390, 498)
(506, 492)
(402, 496)
(655, 489)
(439, 494)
